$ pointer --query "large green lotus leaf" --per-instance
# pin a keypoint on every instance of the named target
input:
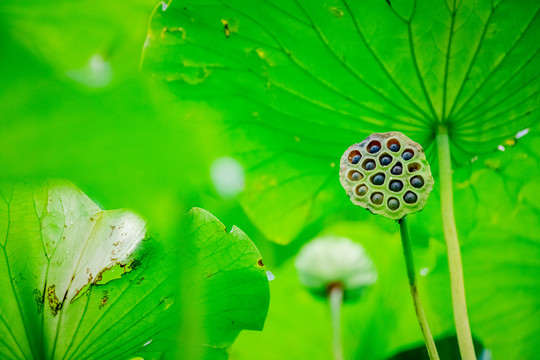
(297, 82)
(81, 282)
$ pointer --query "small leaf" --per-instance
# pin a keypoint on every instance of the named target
(229, 281)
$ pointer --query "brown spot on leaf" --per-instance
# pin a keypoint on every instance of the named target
(104, 299)
(260, 262)
(38, 298)
(226, 27)
(54, 304)
(135, 264)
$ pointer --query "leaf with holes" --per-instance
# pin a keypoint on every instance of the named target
(297, 82)
(61, 256)
(81, 282)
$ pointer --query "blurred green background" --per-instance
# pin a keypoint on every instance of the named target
(74, 104)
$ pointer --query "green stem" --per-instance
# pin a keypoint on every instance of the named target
(335, 298)
(409, 261)
(461, 318)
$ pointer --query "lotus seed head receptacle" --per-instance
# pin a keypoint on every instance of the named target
(393, 179)
(330, 260)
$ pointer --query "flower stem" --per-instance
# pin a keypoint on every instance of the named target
(335, 298)
(461, 318)
(409, 261)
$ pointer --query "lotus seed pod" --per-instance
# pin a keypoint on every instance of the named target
(330, 260)
(395, 179)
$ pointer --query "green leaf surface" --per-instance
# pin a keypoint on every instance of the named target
(498, 221)
(81, 282)
(58, 252)
(499, 227)
(297, 82)
(227, 281)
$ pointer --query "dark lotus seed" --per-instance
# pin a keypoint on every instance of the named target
(393, 203)
(370, 165)
(356, 159)
(377, 198)
(407, 155)
(397, 170)
(362, 190)
(410, 197)
(374, 148)
(386, 160)
(417, 182)
(378, 179)
(396, 185)
(355, 176)
(394, 147)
